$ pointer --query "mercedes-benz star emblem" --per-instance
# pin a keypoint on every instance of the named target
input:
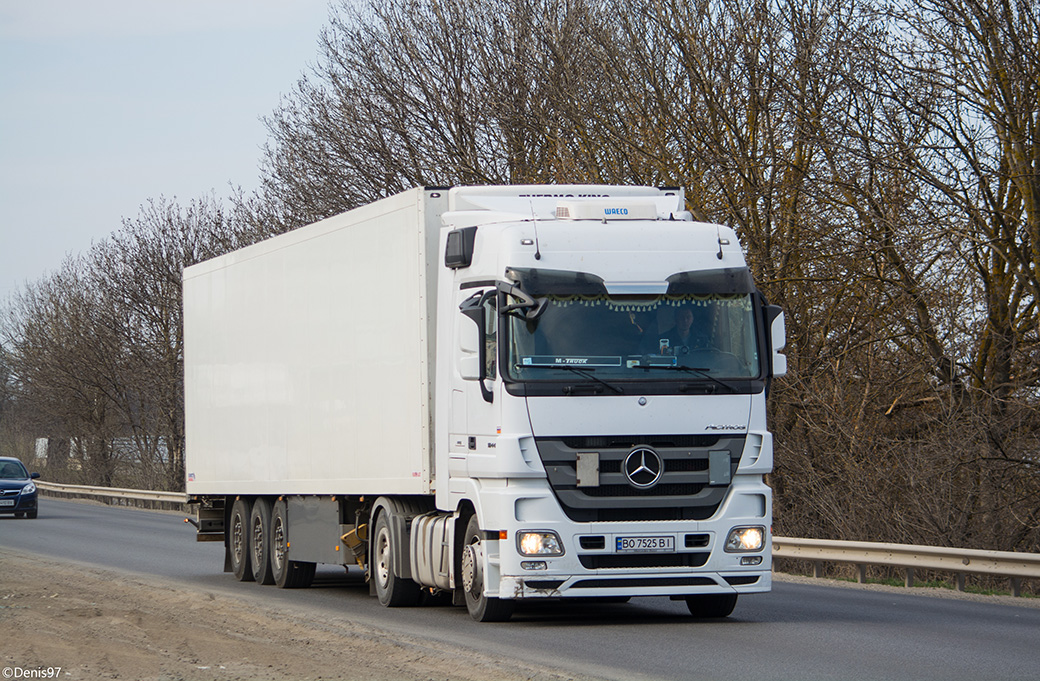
(643, 467)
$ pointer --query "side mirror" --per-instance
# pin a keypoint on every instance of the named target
(469, 367)
(473, 307)
(34, 476)
(469, 336)
(778, 339)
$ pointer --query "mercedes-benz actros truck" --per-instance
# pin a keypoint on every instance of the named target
(491, 394)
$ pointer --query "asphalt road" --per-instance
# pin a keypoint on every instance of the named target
(798, 631)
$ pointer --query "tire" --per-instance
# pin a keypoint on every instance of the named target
(19, 515)
(480, 607)
(32, 514)
(238, 541)
(711, 606)
(260, 540)
(393, 591)
(288, 574)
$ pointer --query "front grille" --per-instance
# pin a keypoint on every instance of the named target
(685, 465)
(630, 441)
(608, 561)
(629, 491)
(741, 581)
(688, 488)
(623, 515)
(697, 540)
(592, 543)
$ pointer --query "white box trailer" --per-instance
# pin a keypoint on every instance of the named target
(493, 393)
(309, 357)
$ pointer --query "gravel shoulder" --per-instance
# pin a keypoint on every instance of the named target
(97, 624)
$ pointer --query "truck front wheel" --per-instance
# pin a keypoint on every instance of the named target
(481, 608)
(393, 591)
(711, 606)
(238, 541)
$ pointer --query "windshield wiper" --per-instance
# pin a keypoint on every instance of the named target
(584, 373)
(699, 371)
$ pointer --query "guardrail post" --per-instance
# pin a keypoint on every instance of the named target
(960, 581)
(817, 569)
(1016, 586)
(861, 568)
(909, 577)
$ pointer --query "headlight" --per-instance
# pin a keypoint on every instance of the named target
(30, 488)
(744, 539)
(539, 544)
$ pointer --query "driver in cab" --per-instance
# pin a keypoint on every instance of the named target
(691, 332)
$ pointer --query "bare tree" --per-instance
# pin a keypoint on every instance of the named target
(434, 93)
(139, 270)
(61, 358)
(97, 348)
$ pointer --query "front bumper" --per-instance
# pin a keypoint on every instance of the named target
(604, 572)
(642, 584)
(18, 503)
(592, 565)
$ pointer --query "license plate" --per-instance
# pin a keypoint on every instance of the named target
(644, 544)
(6, 502)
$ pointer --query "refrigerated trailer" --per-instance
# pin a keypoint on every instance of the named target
(490, 393)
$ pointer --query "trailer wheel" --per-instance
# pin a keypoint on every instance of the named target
(238, 541)
(481, 608)
(260, 540)
(393, 591)
(711, 606)
(288, 574)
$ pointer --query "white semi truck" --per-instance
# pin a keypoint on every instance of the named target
(489, 393)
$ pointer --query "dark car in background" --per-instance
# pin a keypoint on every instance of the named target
(17, 489)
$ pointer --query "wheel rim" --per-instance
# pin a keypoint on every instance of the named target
(238, 539)
(383, 557)
(472, 578)
(278, 534)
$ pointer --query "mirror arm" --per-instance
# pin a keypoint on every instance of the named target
(532, 307)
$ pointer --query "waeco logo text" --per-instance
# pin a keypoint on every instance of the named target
(615, 211)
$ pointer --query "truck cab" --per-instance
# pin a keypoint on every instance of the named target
(605, 379)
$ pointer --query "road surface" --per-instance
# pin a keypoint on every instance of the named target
(799, 631)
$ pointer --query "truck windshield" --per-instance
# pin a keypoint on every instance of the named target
(704, 334)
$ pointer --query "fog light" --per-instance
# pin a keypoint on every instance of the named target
(751, 560)
(539, 544)
(534, 565)
(743, 539)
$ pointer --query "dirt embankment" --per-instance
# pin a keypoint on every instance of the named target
(95, 624)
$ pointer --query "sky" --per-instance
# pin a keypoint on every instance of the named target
(105, 104)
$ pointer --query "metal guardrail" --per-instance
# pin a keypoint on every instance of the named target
(115, 495)
(909, 557)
